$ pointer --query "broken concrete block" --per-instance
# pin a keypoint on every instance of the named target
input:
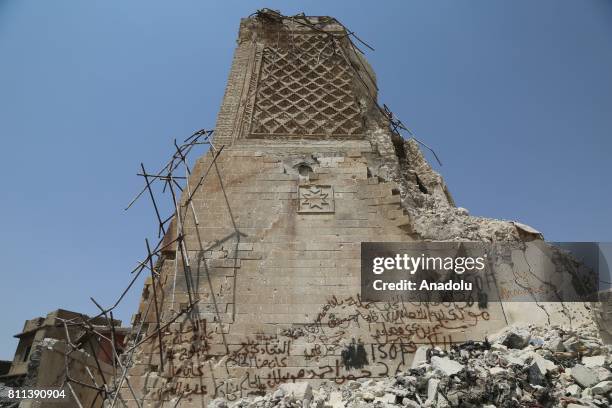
(603, 373)
(410, 403)
(497, 371)
(602, 388)
(446, 365)
(354, 385)
(498, 347)
(593, 361)
(388, 398)
(462, 211)
(278, 394)
(299, 390)
(573, 390)
(538, 369)
(573, 344)
(555, 345)
(526, 228)
(378, 390)
(335, 400)
(432, 390)
(420, 356)
(217, 403)
(516, 338)
(587, 393)
(368, 396)
(515, 360)
(584, 376)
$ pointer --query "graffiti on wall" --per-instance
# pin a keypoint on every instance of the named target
(348, 339)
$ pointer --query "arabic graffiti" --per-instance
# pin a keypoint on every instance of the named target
(348, 339)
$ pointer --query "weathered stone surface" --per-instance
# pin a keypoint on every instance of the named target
(584, 376)
(497, 371)
(300, 390)
(516, 339)
(420, 356)
(310, 169)
(603, 387)
(410, 403)
(602, 373)
(335, 400)
(573, 390)
(554, 344)
(432, 390)
(538, 369)
(446, 365)
(593, 361)
(217, 403)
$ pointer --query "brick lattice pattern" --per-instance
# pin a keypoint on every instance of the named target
(305, 90)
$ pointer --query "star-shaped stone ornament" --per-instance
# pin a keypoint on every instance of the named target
(314, 197)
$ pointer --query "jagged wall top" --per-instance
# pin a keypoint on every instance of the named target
(292, 78)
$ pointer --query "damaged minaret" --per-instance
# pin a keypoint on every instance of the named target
(262, 264)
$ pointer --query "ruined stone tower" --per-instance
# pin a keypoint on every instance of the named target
(264, 261)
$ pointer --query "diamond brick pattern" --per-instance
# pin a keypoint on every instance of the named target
(305, 89)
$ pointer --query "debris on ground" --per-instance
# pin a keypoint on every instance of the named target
(521, 367)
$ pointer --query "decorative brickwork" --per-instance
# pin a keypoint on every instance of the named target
(305, 89)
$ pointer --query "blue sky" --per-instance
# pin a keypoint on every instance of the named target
(515, 97)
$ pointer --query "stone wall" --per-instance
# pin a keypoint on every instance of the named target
(281, 300)
(273, 231)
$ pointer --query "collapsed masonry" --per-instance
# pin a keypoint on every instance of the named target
(54, 348)
(528, 366)
(258, 280)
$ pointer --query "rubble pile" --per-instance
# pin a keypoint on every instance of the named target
(4, 401)
(521, 367)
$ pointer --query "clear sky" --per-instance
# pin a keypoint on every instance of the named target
(515, 97)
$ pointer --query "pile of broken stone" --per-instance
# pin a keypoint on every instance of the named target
(521, 367)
